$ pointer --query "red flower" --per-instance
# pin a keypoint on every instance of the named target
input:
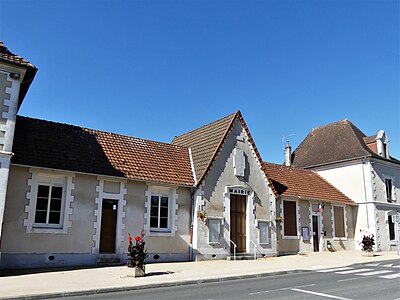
(137, 238)
(129, 238)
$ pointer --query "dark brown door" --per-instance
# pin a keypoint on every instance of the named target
(108, 226)
(238, 222)
(315, 233)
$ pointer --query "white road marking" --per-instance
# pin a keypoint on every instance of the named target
(282, 289)
(388, 265)
(334, 270)
(391, 276)
(320, 294)
(353, 271)
(375, 273)
(372, 265)
(348, 279)
(396, 266)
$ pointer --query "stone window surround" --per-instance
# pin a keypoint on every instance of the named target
(250, 211)
(290, 237)
(119, 238)
(172, 210)
(344, 221)
(391, 213)
(269, 225)
(393, 195)
(30, 208)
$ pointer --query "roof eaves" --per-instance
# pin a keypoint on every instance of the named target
(228, 130)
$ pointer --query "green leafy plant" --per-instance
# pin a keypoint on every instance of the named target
(137, 252)
(367, 243)
(202, 215)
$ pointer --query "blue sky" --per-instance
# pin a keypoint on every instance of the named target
(156, 69)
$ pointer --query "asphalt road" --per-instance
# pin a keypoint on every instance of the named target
(365, 281)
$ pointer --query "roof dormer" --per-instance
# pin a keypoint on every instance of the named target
(382, 144)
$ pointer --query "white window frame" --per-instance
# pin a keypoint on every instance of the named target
(51, 183)
(344, 223)
(52, 178)
(290, 237)
(393, 191)
(170, 192)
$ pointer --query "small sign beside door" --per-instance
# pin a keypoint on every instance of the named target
(305, 232)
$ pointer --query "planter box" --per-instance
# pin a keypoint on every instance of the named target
(137, 272)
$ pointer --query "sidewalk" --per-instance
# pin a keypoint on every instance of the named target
(100, 280)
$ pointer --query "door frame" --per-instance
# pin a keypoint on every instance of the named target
(120, 213)
(245, 191)
(319, 232)
(116, 225)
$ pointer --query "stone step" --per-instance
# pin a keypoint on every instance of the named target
(241, 256)
(108, 260)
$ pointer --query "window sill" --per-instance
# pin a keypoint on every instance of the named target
(47, 230)
(340, 238)
(154, 232)
(291, 237)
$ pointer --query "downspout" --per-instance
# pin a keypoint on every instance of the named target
(192, 208)
(365, 190)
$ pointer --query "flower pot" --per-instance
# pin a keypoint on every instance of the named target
(368, 253)
(137, 272)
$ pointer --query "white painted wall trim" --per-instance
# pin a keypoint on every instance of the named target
(68, 198)
(171, 191)
(289, 237)
(4, 173)
(344, 220)
(119, 238)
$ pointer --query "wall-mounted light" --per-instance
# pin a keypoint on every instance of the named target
(15, 75)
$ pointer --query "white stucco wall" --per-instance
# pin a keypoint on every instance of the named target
(214, 200)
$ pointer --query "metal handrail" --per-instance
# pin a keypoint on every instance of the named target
(255, 249)
(234, 249)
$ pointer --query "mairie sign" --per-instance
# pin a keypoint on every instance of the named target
(239, 191)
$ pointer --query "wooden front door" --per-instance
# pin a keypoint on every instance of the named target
(108, 226)
(238, 222)
(315, 231)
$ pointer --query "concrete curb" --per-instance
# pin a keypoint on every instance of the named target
(148, 286)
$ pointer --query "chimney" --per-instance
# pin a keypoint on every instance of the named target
(288, 155)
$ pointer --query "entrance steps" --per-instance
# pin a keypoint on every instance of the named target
(105, 260)
(241, 256)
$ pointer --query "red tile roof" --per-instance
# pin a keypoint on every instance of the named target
(306, 184)
(66, 147)
(6, 56)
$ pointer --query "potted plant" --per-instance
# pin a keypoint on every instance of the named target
(367, 244)
(137, 254)
(279, 220)
(201, 214)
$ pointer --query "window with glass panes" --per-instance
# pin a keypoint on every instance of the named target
(388, 185)
(159, 211)
(48, 204)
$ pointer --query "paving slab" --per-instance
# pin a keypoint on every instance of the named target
(100, 280)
